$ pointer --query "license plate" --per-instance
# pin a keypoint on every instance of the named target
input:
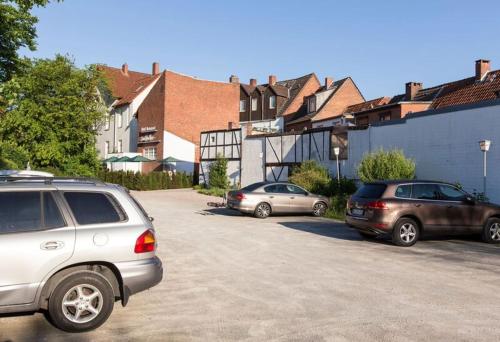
(358, 212)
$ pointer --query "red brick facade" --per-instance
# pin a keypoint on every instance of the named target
(348, 94)
(390, 112)
(186, 106)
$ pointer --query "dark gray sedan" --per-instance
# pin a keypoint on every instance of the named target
(263, 199)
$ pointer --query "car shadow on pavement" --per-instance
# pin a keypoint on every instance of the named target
(331, 229)
(220, 211)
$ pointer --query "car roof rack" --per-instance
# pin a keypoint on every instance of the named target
(51, 180)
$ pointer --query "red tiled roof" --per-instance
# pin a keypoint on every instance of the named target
(125, 87)
(469, 92)
(367, 105)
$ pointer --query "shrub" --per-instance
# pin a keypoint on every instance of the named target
(383, 165)
(218, 173)
(150, 181)
(311, 176)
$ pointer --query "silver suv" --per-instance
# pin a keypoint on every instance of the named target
(71, 248)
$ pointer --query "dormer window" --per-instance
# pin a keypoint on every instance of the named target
(272, 102)
(311, 104)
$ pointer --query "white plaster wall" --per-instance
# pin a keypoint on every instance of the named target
(445, 146)
(181, 149)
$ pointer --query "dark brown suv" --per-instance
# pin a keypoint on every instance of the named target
(408, 209)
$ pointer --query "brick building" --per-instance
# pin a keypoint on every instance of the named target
(162, 114)
(269, 106)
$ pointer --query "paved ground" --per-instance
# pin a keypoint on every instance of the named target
(231, 277)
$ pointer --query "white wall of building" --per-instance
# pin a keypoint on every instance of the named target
(444, 145)
(181, 149)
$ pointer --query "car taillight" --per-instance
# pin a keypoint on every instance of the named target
(240, 196)
(377, 205)
(146, 242)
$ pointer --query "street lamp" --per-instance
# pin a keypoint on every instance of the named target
(336, 151)
(484, 145)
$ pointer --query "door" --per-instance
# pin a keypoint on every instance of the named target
(463, 217)
(277, 195)
(429, 209)
(300, 201)
(35, 238)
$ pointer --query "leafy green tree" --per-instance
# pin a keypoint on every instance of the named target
(383, 165)
(52, 114)
(17, 30)
(218, 173)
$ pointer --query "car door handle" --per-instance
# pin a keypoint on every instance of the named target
(450, 206)
(292, 197)
(271, 196)
(418, 205)
(52, 245)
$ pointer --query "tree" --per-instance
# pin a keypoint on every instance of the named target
(17, 30)
(383, 165)
(52, 114)
(218, 173)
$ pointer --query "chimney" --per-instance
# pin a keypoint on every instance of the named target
(328, 82)
(482, 67)
(125, 69)
(234, 79)
(253, 82)
(272, 80)
(156, 68)
(412, 89)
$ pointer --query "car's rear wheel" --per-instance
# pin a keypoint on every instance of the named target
(491, 231)
(406, 232)
(262, 210)
(81, 302)
(319, 209)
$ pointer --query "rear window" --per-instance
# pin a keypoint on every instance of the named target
(371, 191)
(252, 187)
(94, 207)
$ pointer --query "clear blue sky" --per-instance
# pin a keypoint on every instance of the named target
(380, 44)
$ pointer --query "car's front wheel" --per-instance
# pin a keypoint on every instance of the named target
(262, 210)
(81, 302)
(491, 231)
(406, 232)
(319, 209)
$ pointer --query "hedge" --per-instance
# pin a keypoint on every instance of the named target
(150, 181)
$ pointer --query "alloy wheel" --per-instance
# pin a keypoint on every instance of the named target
(82, 303)
(408, 232)
(495, 231)
(319, 209)
(263, 210)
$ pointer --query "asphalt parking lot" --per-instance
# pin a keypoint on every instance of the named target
(294, 278)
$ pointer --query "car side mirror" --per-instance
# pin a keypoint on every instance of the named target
(470, 200)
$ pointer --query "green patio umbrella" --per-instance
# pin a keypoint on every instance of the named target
(110, 159)
(138, 159)
(169, 160)
(124, 160)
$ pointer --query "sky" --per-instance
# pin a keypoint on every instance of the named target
(380, 44)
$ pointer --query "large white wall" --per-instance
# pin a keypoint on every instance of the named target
(443, 143)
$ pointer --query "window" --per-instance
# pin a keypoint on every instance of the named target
(403, 191)
(277, 189)
(295, 190)
(425, 191)
(120, 146)
(373, 191)
(449, 193)
(150, 153)
(339, 140)
(94, 207)
(385, 116)
(119, 121)
(106, 122)
(253, 187)
(272, 102)
(362, 121)
(51, 213)
(311, 104)
(243, 106)
(254, 104)
(20, 211)
(106, 147)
